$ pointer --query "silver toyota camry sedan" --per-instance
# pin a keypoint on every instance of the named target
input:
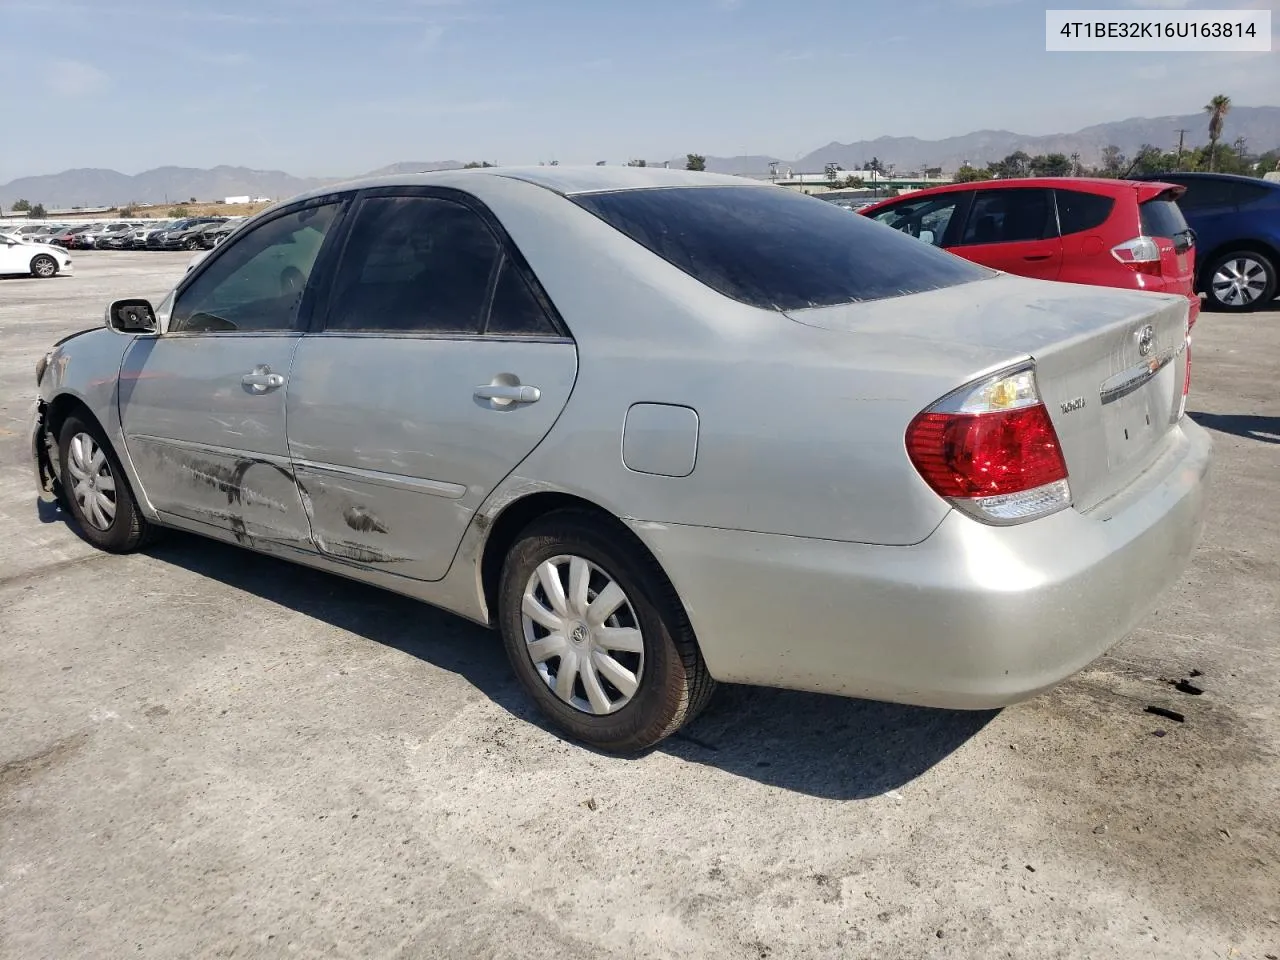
(659, 429)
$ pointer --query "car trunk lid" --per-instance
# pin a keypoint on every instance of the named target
(1109, 363)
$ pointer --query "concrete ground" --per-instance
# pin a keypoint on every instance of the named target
(207, 753)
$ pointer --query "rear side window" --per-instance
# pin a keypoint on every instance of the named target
(516, 310)
(1079, 211)
(1161, 218)
(769, 248)
(1011, 215)
(1246, 193)
(1204, 193)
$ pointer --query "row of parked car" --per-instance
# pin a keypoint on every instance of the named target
(187, 233)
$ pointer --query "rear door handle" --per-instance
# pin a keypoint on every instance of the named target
(1038, 256)
(504, 394)
(262, 380)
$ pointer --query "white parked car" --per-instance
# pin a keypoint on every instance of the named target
(20, 256)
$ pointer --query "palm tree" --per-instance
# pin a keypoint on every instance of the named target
(1217, 108)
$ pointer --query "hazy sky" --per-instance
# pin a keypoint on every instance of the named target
(338, 87)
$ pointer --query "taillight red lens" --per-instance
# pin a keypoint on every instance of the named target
(986, 454)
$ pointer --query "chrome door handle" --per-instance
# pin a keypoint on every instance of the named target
(262, 380)
(505, 394)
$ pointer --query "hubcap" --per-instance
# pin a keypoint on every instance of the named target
(582, 635)
(92, 484)
(44, 268)
(1239, 281)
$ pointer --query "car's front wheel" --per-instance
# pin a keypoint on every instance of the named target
(44, 266)
(597, 635)
(1239, 281)
(97, 491)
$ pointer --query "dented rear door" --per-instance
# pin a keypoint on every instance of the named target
(439, 366)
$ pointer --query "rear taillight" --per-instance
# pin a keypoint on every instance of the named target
(991, 450)
(1141, 254)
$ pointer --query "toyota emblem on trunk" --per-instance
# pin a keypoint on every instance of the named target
(1146, 340)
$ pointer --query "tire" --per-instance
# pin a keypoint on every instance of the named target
(44, 266)
(1246, 277)
(191, 244)
(660, 648)
(127, 529)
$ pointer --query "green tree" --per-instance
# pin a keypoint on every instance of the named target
(854, 183)
(968, 174)
(178, 212)
(637, 163)
(476, 165)
(1151, 159)
(1016, 164)
(695, 161)
(875, 165)
(37, 212)
(21, 206)
(1217, 108)
(1113, 161)
(1050, 165)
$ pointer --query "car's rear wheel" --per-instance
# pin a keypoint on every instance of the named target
(596, 634)
(44, 266)
(191, 244)
(1239, 281)
(97, 491)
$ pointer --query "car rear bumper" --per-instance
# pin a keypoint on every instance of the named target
(973, 617)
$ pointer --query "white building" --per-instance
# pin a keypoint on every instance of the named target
(244, 199)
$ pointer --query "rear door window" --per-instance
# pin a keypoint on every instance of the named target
(1011, 215)
(767, 247)
(414, 265)
(1079, 211)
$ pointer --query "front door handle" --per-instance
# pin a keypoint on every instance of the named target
(508, 394)
(1038, 256)
(262, 380)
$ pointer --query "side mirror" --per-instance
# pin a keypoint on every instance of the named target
(131, 316)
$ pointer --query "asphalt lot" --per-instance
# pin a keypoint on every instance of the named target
(208, 753)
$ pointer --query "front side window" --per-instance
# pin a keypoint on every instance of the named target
(925, 219)
(257, 282)
(414, 265)
(1011, 215)
(767, 247)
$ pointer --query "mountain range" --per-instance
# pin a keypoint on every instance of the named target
(1259, 126)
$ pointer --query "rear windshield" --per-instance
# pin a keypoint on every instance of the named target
(767, 247)
(1161, 218)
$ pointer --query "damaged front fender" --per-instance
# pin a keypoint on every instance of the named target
(44, 453)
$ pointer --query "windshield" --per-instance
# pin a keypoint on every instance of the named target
(770, 248)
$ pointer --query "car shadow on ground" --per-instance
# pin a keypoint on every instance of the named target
(1249, 426)
(824, 746)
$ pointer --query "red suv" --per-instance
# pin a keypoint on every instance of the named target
(1112, 233)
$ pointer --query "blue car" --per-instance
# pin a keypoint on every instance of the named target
(1237, 225)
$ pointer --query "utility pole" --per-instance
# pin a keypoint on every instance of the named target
(1181, 134)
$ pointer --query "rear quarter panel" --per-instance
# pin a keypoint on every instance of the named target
(800, 429)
